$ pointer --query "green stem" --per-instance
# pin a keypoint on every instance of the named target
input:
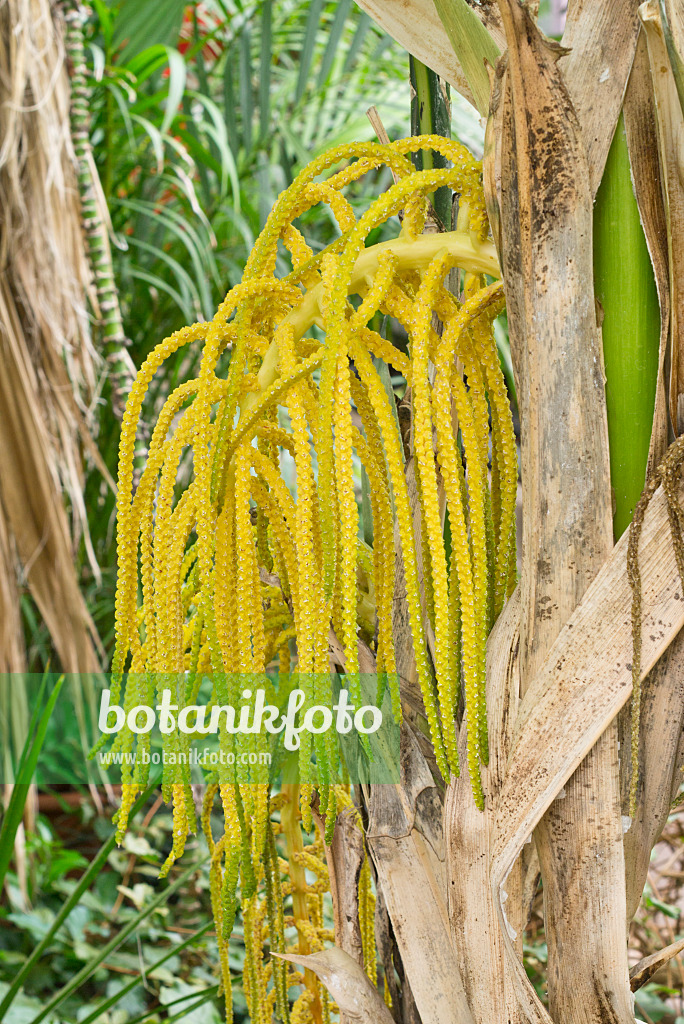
(115, 343)
(431, 115)
(625, 287)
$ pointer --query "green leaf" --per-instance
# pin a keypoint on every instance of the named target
(308, 46)
(176, 86)
(23, 1010)
(142, 23)
(104, 952)
(648, 1001)
(189, 1002)
(246, 101)
(82, 886)
(364, 24)
(334, 39)
(265, 68)
(150, 971)
(219, 133)
(26, 770)
(625, 287)
(472, 45)
(665, 908)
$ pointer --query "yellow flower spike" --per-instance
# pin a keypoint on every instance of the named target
(142, 512)
(129, 792)
(277, 436)
(329, 369)
(248, 424)
(308, 931)
(312, 863)
(311, 604)
(262, 970)
(226, 587)
(361, 166)
(181, 828)
(422, 426)
(188, 565)
(385, 350)
(197, 635)
(504, 448)
(477, 349)
(277, 614)
(472, 572)
(250, 979)
(294, 242)
(398, 305)
(470, 184)
(243, 554)
(376, 291)
(230, 817)
(125, 505)
(348, 524)
(476, 504)
(373, 461)
(455, 616)
(477, 449)
(207, 806)
(215, 887)
(276, 926)
(366, 900)
(341, 208)
(147, 585)
(375, 153)
(129, 426)
(264, 295)
(495, 480)
(415, 215)
(420, 183)
(301, 1011)
(281, 531)
(380, 570)
(395, 462)
(278, 644)
(308, 576)
(257, 614)
(167, 609)
(427, 583)
(411, 254)
(264, 468)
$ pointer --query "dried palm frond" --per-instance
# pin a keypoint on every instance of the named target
(49, 368)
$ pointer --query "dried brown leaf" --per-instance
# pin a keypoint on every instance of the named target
(431, 44)
(601, 39)
(546, 217)
(670, 134)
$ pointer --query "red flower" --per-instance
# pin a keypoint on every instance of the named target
(207, 23)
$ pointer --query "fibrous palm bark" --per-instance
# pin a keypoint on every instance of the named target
(48, 366)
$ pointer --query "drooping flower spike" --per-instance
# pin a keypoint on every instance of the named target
(236, 573)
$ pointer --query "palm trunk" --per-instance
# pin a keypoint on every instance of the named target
(550, 128)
